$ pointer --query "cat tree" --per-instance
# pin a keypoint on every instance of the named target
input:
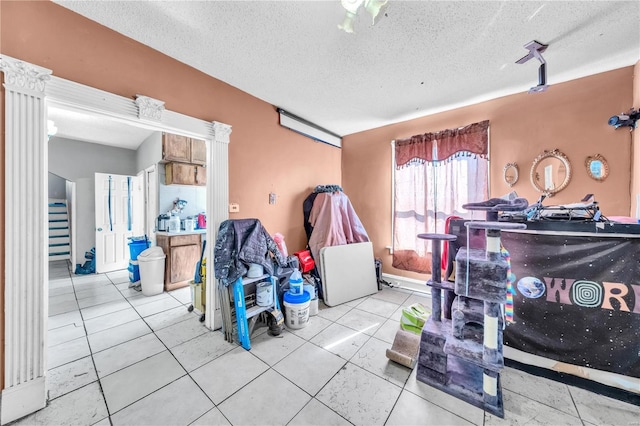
(461, 348)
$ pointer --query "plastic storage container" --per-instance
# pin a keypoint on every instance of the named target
(137, 245)
(296, 309)
(189, 224)
(151, 263)
(134, 271)
(313, 304)
(313, 307)
(202, 221)
(296, 287)
(173, 224)
(305, 259)
(311, 289)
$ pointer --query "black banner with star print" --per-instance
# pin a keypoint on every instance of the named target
(577, 295)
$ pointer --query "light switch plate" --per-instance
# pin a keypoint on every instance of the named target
(234, 208)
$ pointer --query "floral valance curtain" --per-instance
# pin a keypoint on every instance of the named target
(419, 148)
(435, 175)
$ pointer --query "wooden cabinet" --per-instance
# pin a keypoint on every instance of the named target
(201, 176)
(185, 174)
(183, 253)
(176, 148)
(198, 152)
(183, 149)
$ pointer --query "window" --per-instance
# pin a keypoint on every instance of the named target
(435, 175)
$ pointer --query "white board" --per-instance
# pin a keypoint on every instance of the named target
(348, 272)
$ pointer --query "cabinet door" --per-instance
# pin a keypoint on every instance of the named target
(180, 173)
(176, 148)
(198, 152)
(183, 262)
(185, 240)
(200, 175)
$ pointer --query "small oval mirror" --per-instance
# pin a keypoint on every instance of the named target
(510, 173)
(597, 167)
(550, 172)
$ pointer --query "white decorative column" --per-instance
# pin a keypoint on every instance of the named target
(217, 209)
(25, 245)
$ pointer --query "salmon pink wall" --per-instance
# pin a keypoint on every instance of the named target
(263, 157)
(570, 116)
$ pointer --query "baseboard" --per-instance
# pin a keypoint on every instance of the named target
(407, 283)
(23, 399)
(588, 378)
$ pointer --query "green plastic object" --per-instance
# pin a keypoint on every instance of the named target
(413, 318)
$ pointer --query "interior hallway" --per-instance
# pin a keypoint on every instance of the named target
(118, 357)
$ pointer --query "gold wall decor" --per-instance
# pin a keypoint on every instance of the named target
(550, 172)
(510, 174)
(597, 167)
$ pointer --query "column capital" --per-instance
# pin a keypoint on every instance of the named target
(22, 76)
(149, 108)
(221, 132)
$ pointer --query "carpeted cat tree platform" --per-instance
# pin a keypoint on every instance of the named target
(461, 351)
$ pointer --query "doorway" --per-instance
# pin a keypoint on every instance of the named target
(26, 258)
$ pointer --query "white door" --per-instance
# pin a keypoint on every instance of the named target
(150, 177)
(119, 215)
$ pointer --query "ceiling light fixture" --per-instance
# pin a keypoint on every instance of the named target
(535, 51)
(375, 8)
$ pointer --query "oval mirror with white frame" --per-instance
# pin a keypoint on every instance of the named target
(550, 172)
(510, 174)
(597, 167)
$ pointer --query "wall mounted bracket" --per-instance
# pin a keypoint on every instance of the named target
(535, 51)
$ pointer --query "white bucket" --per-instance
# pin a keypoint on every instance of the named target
(255, 270)
(311, 290)
(313, 307)
(296, 310)
(264, 293)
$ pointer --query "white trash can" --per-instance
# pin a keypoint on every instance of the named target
(151, 263)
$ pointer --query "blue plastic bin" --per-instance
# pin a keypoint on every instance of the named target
(134, 272)
(137, 245)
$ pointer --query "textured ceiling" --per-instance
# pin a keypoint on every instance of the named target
(422, 57)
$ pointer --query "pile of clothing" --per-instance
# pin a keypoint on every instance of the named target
(243, 242)
(89, 266)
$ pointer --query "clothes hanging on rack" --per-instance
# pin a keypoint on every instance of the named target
(334, 222)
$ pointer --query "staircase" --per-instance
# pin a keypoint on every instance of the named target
(59, 243)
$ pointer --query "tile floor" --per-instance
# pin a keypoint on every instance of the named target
(118, 357)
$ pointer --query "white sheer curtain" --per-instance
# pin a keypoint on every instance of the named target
(427, 191)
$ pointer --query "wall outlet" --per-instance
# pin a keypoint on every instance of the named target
(272, 198)
(234, 208)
